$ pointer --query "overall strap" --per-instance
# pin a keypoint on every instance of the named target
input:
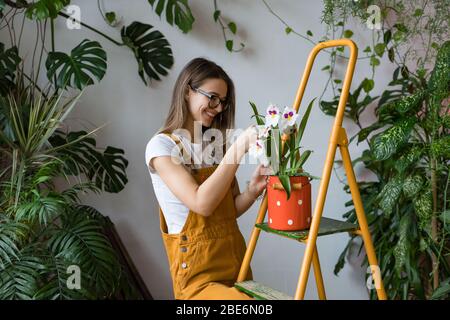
(184, 153)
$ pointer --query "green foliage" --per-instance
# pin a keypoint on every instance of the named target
(9, 60)
(151, 50)
(43, 9)
(409, 154)
(87, 60)
(44, 231)
(177, 11)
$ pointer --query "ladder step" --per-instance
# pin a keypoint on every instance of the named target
(260, 291)
(327, 226)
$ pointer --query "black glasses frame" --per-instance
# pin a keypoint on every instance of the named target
(212, 98)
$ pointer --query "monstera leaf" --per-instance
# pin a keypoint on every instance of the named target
(87, 60)
(9, 60)
(177, 11)
(151, 49)
(106, 169)
(43, 9)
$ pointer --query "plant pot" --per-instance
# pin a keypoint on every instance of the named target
(293, 214)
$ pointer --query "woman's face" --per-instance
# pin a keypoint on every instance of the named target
(199, 104)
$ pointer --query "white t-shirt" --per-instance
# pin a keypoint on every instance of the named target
(175, 212)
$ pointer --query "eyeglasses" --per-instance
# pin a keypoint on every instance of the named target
(214, 100)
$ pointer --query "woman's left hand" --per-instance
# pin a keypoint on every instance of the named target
(258, 182)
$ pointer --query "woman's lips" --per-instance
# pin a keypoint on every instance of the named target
(210, 114)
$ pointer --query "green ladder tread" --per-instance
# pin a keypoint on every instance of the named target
(260, 291)
(327, 226)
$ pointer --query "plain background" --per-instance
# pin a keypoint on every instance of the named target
(267, 71)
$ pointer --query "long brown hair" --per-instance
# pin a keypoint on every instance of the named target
(194, 74)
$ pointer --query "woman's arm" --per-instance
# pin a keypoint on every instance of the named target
(205, 198)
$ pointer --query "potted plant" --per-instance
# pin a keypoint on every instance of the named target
(278, 147)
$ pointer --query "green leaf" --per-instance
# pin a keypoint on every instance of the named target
(43, 9)
(391, 54)
(259, 121)
(303, 122)
(368, 85)
(412, 185)
(232, 27)
(401, 248)
(309, 33)
(288, 30)
(365, 132)
(398, 36)
(216, 15)
(86, 61)
(368, 49)
(374, 61)
(286, 182)
(445, 217)
(418, 12)
(327, 67)
(441, 147)
(81, 241)
(407, 159)
(442, 291)
(379, 49)
(151, 50)
(390, 194)
(229, 45)
(110, 17)
(106, 169)
(348, 33)
(387, 143)
(177, 11)
(423, 205)
(9, 60)
(387, 36)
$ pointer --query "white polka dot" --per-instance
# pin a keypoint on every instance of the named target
(270, 220)
(290, 222)
(299, 202)
(278, 203)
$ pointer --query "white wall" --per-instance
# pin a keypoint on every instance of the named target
(268, 70)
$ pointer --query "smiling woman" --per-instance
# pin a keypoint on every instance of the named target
(199, 204)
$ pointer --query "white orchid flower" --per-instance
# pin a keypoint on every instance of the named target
(263, 131)
(258, 151)
(288, 119)
(272, 116)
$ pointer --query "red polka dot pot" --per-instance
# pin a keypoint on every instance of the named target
(293, 214)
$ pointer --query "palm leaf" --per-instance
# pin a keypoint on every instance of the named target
(81, 242)
(19, 279)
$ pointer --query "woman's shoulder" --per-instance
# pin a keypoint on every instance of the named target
(160, 145)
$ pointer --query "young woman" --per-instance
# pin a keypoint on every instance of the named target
(199, 203)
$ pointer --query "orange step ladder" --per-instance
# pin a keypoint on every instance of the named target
(319, 225)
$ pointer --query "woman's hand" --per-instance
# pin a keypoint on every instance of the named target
(247, 138)
(258, 182)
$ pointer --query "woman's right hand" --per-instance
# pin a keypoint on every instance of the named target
(247, 138)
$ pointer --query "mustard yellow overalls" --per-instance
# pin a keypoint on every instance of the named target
(205, 257)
